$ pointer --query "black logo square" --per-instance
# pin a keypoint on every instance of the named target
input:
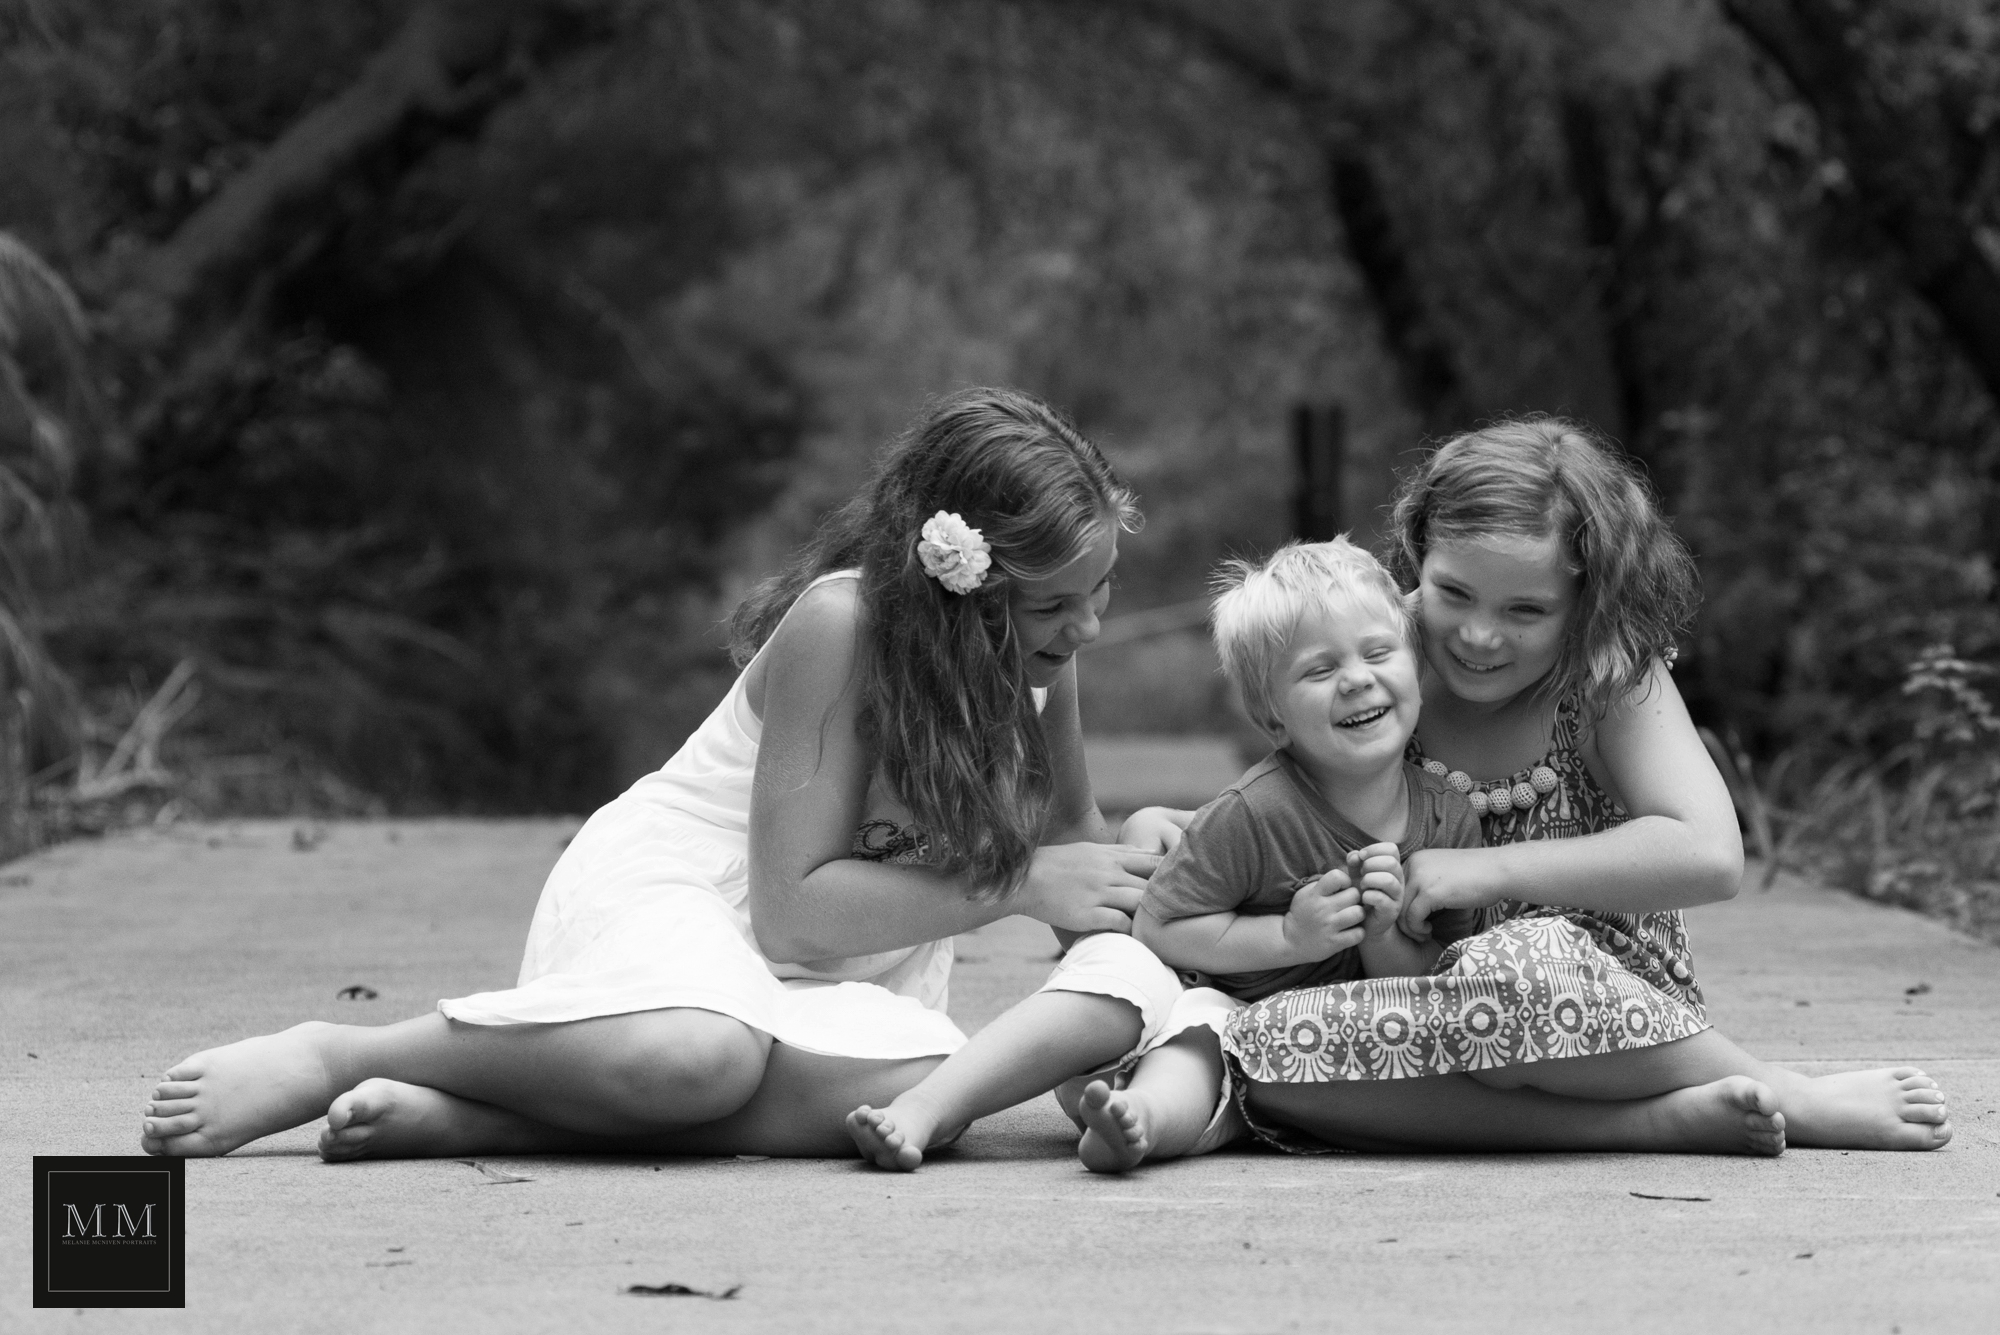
(109, 1231)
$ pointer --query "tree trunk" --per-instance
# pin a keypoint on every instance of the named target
(451, 64)
(1260, 44)
(1605, 231)
(1912, 161)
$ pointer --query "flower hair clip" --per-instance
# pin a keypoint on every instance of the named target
(954, 553)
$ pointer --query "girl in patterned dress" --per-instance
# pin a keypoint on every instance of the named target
(744, 945)
(1549, 595)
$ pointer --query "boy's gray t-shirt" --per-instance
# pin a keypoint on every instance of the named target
(1269, 833)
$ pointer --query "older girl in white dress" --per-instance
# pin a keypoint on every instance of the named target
(748, 943)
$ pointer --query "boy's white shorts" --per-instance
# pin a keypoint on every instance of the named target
(1113, 965)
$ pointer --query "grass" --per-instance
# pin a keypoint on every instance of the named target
(1924, 836)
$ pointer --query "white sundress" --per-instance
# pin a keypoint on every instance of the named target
(648, 909)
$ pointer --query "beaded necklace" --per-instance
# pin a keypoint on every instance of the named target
(1494, 798)
(1499, 799)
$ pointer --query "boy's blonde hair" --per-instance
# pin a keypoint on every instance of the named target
(1257, 607)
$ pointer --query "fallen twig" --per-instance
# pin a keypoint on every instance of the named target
(494, 1176)
(680, 1291)
(135, 761)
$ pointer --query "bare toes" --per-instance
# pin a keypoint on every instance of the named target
(167, 1127)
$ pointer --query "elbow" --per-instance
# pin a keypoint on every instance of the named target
(780, 940)
(777, 946)
(1146, 929)
(1720, 873)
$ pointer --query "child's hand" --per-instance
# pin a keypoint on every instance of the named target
(1085, 887)
(1325, 917)
(1445, 878)
(1155, 828)
(1377, 871)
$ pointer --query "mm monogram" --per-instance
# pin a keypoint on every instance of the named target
(123, 1225)
(108, 1231)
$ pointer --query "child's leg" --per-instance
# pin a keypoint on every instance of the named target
(1103, 1000)
(1735, 1115)
(1031, 1049)
(1895, 1109)
(611, 1075)
(796, 1111)
(1160, 1114)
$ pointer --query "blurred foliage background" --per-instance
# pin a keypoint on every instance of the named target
(394, 396)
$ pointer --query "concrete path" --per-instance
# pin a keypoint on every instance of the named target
(117, 958)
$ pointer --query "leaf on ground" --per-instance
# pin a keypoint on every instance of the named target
(494, 1175)
(1649, 1196)
(357, 993)
(680, 1291)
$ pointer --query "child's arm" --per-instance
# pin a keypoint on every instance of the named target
(1324, 919)
(1074, 816)
(1386, 952)
(809, 898)
(1156, 829)
(1680, 848)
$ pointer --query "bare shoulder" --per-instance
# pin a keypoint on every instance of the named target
(815, 642)
(1647, 748)
(1654, 703)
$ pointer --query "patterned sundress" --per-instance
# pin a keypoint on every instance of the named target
(1533, 983)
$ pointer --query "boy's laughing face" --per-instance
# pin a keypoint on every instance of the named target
(1345, 692)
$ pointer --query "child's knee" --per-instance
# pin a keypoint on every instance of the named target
(1113, 965)
(682, 1067)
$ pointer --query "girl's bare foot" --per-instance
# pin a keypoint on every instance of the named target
(221, 1098)
(1117, 1132)
(387, 1119)
(897, 1136)
(1734, 1115)
(1896, 1109)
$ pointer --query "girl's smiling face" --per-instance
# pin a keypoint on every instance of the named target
(1057, 615)
(1493, 613)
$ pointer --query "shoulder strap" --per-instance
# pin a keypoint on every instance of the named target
(1568, 724)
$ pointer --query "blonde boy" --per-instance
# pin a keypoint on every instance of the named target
(1293, 877)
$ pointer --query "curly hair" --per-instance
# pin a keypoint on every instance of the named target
(946, 704)
(1539, 476)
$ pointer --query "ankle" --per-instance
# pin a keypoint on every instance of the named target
(923, 1117)
(333, 1047)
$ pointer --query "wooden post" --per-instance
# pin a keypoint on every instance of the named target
(1319, 454)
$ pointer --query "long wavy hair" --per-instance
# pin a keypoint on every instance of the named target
(945, 702)
(1536, 476)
